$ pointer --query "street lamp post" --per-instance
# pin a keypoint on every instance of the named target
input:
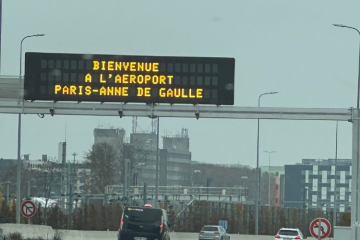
(269, 203)
(258, 171)
(340, 25)
(355, 204)
(18, 182)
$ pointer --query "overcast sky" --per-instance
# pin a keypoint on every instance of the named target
(286, 46)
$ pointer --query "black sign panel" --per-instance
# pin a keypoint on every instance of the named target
(118, 78)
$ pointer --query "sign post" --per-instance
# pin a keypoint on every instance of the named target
(224, 224)
(28, 209)
(320, 228)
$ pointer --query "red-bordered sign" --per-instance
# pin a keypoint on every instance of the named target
(28, 209)
(325, 228)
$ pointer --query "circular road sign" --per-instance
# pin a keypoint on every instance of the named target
(28, 209)
(325, 228)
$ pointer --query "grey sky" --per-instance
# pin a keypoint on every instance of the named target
(285, 46)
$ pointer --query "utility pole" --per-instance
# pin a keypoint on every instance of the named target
(62, 147)
(157, 165)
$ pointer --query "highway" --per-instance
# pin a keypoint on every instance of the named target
(46, 232)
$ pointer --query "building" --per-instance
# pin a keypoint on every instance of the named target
(276, 170)
(111, 136)
(315, 184)
(174, 160)
(174, 157)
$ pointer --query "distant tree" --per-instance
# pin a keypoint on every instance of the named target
(12, 212)
(102, 219)
(4, 210)
(93, 218)
(345, 219)
(47, 177)
(101, 160)
(54, 218)
(36, 219)
(113, 213)
(135, 151)
(85, 218)
(78, 219)
(106, 162)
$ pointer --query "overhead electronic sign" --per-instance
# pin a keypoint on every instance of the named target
(118, 78)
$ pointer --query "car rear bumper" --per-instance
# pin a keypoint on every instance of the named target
(131, 235)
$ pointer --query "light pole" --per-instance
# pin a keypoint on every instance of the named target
(258, 171)
(18, 182)
(269, 175)
(335, 193)
(340, 25)
(355, 204)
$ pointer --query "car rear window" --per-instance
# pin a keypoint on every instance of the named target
(288, 232)
(210, 229)
(142, 215)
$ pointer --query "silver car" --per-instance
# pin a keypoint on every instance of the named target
(213, 232)
(288, 234)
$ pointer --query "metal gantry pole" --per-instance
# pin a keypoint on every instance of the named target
(0, 30)
(355, 186)
(157, 165)
(269, 195)
(258, 180)
(18, 175)
(335, 192)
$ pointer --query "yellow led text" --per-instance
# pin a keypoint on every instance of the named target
(143, 92)
(87, 90)
(144, 79)
(181, 93)
(125, 66)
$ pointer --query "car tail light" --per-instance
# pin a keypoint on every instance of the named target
(217, 233)
(201, 232)
(297, 237)
(161, 228)
(121, 224)
(277, 236)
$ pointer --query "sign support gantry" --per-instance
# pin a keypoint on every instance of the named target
(180, 111)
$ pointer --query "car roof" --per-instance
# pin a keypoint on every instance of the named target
(211, 226)
(295, 229)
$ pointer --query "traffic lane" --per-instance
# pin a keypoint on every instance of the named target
(194, 236)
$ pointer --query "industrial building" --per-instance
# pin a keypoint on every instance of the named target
(174, 157)
(316, 183)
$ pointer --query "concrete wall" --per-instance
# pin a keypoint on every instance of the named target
(46, 232)
(28, 230)
(342, 233)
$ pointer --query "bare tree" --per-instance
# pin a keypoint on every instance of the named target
(46, 178)
(101, 160)
(135, 152)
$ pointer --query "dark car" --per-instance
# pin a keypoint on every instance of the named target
(144, 223)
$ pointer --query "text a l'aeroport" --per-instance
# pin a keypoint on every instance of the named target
(132, 80)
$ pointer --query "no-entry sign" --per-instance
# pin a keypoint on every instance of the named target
(325, 228)
(28, 209)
